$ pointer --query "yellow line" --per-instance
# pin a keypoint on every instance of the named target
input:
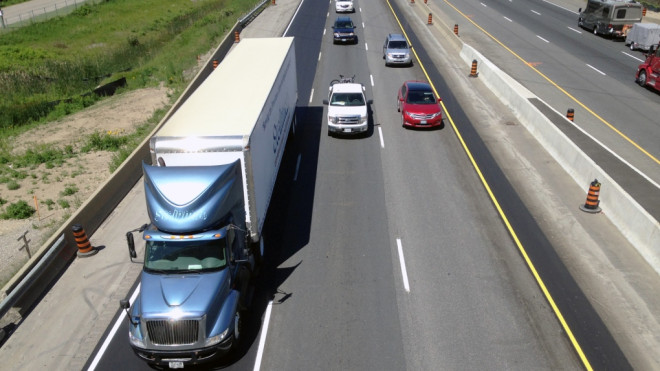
(557, 86)
(513, 234)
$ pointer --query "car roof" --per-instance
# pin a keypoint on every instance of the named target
(347, 88)
(418, 85)
(343, 19)
(396, 36)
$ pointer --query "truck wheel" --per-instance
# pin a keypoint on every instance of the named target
(641, 80)
(595, 30)
(632, 46)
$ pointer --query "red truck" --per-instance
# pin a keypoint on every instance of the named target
(648, 73)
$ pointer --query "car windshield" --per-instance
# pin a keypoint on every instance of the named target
(343, 24)
(347, 99)
(398, 45)
(185, 256)
(421, 97)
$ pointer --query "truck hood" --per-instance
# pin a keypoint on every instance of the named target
(187, 294)
(347, 110)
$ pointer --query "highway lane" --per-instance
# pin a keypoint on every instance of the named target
(597, 71)
(339, 298)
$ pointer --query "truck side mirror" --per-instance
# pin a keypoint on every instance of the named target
(131, 245)
(370, 101)
(325, 101)
(579, 10)
(125, 305)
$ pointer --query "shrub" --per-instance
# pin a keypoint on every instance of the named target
(12, 185)
(69, 190)
(18, 210)
(63, 203)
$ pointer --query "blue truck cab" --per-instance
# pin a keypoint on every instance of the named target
(197, 266)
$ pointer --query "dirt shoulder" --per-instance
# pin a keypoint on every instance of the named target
(59, 190)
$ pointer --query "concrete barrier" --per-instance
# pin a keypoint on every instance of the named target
(637, 225)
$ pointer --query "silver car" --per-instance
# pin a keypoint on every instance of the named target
(396, 50)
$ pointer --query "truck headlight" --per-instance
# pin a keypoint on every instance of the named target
(216, 339)
(134, 340)
(363, 119)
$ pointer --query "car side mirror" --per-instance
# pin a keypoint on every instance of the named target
(325, 102)
(370, 101)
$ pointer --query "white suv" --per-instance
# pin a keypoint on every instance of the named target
(344, 6)
(347, 108)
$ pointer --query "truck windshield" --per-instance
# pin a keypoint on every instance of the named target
(347, 99)
(185, 256)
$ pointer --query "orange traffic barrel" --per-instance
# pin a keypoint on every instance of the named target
(215, 63)
(591, 205)
(430, 18)
(237, 38)
(85, 248)
(570, 114)
(456, 29)
(473, 70)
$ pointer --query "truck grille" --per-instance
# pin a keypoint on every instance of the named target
(348, 120)
(164, 332)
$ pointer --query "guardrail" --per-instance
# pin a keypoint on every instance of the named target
(39, 13)
(36, 276)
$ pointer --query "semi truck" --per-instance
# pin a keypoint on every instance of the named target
(214, 166)
(648, 73)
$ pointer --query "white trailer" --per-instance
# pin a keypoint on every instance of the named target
(243, 110)
(643, 35)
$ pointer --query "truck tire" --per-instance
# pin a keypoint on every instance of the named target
(641, 80)
(595, 30)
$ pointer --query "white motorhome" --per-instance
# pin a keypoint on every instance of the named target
(610, 17)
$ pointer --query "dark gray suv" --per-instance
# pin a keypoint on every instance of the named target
(396, 50)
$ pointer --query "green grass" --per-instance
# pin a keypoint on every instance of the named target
(147, 41)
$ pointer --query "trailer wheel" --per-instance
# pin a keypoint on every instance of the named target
(595, 30)
(641, 80)
(632, 46)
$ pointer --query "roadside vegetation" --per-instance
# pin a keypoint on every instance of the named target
(48, 69)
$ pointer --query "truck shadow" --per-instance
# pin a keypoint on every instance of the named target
(286, 231)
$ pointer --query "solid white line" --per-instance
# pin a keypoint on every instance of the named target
(311, 95)
(559, 6)
(596, 69)
(372, 80)
(382, 142)
(508, 19)
(111, 335)
(404, 273)
(320, 56)
(542, 38)
(262, 340)
(632, 56)
(535, 12)
(574, 30)
(295, 176)
(294, 17)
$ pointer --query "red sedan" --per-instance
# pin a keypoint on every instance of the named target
(418, 105)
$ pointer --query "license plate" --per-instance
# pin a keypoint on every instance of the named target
(176, 364)
(347, 130)
(423, 122)
(343, 39)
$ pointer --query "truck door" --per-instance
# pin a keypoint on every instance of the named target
(654, 65)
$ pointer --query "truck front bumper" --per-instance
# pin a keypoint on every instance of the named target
(178, 358)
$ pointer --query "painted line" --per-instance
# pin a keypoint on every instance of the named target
(484, 5)
(602, 120)
(382, 142)
(535, 12)
(311, 95)
(320, 53)
(542, 39)
(324, 32)
(362, 24)
(561, 7)
(295, 176)
(505, 220)
(508, 19)
(112, 332)
(574, 30)
(596, 69)
(372, 80)
(262, 339)
(404, 273)
(366, 47)
(632, 56)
